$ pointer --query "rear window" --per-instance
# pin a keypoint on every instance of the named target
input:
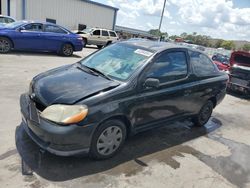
(202, 65)
(240, 59)
(112, 34)
(54, 29)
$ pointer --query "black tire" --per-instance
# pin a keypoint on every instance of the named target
(67, 50)
(84, 41)
(108, 43)
(99, 46)
(205, 113)
(100, 148)
(5, 45)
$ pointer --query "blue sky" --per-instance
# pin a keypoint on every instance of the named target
(227, 19)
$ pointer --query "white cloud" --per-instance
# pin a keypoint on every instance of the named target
(215, 16)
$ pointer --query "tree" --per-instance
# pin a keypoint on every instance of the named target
(229, 45)
(158, 33)
(184, 35)
(246, 47)
(218, 43)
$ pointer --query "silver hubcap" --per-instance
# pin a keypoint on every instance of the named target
(109, 141)
(67, 50)
(4, 45)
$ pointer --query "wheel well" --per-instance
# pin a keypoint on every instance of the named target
(9, 39)
(122, 118)
(214, 101)
(83, 38)
(109, 42)
(70, 44)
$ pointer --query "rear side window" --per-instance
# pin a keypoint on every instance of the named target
(112, 34)
(105, 33)
(202, 65)
(169, 66)
(54, 29)
(97, 32)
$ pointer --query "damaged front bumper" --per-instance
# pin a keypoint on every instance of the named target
(59, 140)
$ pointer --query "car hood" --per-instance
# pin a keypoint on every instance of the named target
(67, 85)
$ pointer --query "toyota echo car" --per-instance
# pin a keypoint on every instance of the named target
(92, 106)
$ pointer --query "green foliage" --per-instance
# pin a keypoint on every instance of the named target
(218, 43)
(246, 47)
(229, 45)
(158, 33)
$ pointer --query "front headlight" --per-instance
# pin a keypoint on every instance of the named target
(65, 114)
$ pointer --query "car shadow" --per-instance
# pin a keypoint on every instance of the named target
(29, 53)
(57, 168)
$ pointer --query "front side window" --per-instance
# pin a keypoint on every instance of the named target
(97, 32)
(118, 61)
(112, 34)
(105, 33)
(54, 29)
(34, 27)
(169, 66)
(202, 65)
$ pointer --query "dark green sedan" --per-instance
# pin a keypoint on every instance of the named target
(92, 106)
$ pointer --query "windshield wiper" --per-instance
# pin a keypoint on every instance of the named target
(85, 69)
(93, 71)
(98, 72)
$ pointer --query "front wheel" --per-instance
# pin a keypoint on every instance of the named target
(67, 50)
(108, 139)
(205, 113)
(99, 46)
(5, 45)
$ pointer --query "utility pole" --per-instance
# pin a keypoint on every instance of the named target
(162, 13)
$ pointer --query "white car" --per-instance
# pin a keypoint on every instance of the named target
(97, 36)
(6, 19)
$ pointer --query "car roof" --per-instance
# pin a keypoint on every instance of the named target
(37, 21)
(7, 16)
(156, 45)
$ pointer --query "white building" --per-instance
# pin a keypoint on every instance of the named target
(68, 13)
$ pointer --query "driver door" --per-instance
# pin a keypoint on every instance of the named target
(169, 99)
(28, 37)
(95, 37)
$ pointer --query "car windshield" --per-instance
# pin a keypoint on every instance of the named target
(87, 30)
(14, 24)
(118, 61)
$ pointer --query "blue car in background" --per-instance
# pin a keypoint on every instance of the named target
(38, 36)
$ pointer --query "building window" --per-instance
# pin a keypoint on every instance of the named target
(51, 20)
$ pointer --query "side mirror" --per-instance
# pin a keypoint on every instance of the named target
(152, 83)
(21, 29)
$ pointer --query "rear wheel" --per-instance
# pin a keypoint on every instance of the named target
(99, 46)
(205, 113)
(108, 139)
(67, 50)
(5, 45)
